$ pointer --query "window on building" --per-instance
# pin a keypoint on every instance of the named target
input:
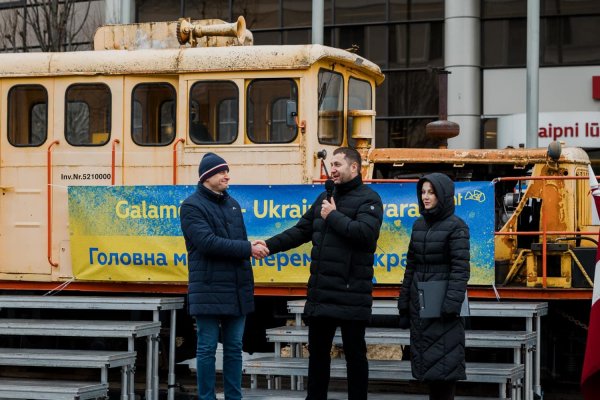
(412, 93)
(266, 110)
(359, 98)
(258, 14)
(154, 117)
(330, 95)
(87, 114)
(504, 43)
(351, 12)
(570, 40)
(366, 41)
(202, 9)
(416, 9)
(213, 114)
(27, 115)
(490, 133)
(410, 133)
(416, 45)
(569, 7)
(568, 32)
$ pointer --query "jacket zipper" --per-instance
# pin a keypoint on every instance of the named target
(321, 246)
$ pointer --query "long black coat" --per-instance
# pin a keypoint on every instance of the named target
(341, 270)
(220, 275)
(438, 250)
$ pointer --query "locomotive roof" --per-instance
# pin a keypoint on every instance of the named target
(475, 156)
(173, 61)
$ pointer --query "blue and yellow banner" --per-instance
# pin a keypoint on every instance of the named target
(133, 234)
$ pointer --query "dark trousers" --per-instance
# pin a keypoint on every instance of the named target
(441, 390)
(320, 338)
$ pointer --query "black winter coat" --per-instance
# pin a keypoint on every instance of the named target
(438, 250)
(341, 270)
(220, 275)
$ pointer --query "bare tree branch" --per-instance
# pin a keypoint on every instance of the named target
(8, 30)
(56, 24)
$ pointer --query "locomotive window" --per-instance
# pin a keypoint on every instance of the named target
(213, 114)
(87, 114)
(265, 111)
(331, 107)
(27, 115)
(228, 119)
(167, 118)
(359, 98)
(153, 114)
(280, 130)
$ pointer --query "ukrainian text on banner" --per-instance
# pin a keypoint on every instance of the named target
(132, 233)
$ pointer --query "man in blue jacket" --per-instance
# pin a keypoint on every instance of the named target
(221, 284)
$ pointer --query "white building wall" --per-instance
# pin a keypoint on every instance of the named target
(561, 89)
(567, 111)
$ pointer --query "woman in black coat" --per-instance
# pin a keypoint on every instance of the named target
(438, 251)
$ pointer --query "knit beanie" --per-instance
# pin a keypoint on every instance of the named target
(210, 165)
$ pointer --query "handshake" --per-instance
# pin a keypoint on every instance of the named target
(259, 249)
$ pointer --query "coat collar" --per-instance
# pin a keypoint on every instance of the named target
(343, 188)
(212, 196)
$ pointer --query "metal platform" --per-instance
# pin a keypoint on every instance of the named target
(114, 303)
(39, 389)
(501, 373)
(263, 394)
(58, 358)
(531, 312)
(129, 330)
(473, 338)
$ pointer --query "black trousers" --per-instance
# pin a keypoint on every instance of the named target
(320, 338)
(441, 390)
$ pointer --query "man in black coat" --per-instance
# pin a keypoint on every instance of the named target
(438, 251)
(221, 284)
(344, 229)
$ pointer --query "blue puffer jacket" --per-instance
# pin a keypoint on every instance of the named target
(220, 274)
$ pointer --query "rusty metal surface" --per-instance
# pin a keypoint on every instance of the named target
(156, 35)
(185, 60)
(473, 156)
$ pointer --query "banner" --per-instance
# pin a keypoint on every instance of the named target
(133, 234)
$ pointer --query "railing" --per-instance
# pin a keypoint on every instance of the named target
(179, 140)
(49, 201)
(544, 232)
(113, 162)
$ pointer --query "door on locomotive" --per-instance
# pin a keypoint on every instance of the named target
(27, 119)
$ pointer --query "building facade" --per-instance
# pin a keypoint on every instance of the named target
(482, 43)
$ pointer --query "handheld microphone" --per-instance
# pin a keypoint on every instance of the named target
(329, 188)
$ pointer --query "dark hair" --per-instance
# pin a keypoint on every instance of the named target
(350, 154)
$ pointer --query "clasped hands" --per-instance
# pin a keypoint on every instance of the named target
(259, 249)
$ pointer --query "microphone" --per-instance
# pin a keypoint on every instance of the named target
(329, 188)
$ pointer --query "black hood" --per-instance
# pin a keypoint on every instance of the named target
(444, 190)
